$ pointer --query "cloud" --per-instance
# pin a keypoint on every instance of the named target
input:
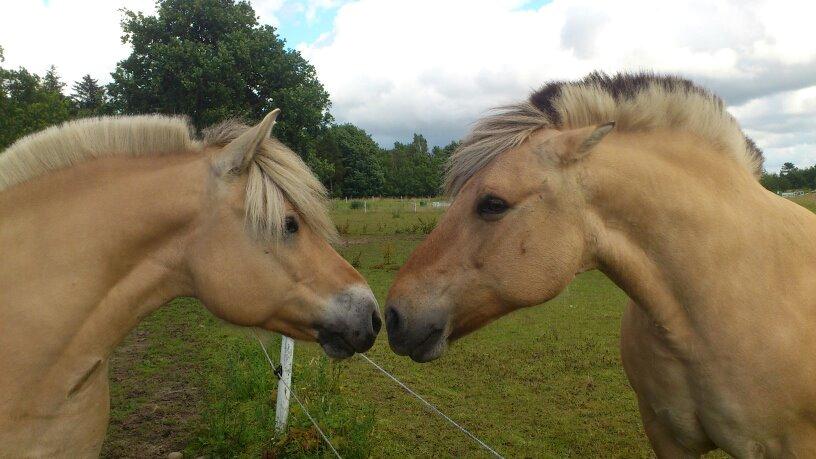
(268, 11)
(77, 37)
(408, 66)
(784, 125)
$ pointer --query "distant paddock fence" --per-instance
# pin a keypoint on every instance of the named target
(283, 373)
(370, 204)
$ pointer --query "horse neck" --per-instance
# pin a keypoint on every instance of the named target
(88, 252)
(687, 232)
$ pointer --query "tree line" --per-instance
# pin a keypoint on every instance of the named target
(790, 177)
(211, 60)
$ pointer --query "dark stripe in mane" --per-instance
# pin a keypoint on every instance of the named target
(636, 102)
(624, 86)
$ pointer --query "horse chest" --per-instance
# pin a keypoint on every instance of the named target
(52, 419)
(708, 398)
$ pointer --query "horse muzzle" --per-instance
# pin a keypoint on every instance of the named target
(354, 324)
(423, 337)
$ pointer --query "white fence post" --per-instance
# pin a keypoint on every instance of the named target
(282, 407)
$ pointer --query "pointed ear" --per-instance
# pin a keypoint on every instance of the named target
(571, 146)
(236, 157)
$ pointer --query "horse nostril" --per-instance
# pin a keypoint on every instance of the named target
(376, 323)
(392, 320)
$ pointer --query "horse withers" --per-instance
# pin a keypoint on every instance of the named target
(650, 180)
(104, 220)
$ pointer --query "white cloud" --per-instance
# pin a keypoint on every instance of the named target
(268, 11)
(426, 66)
(78, 37)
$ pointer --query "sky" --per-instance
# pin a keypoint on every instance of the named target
(395, 67)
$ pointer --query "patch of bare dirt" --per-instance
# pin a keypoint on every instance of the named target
(152, 413)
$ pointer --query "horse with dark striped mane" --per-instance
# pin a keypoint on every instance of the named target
(650, 180)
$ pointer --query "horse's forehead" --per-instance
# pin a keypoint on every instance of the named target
(511, 171)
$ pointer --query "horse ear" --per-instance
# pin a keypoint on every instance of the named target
(571, 146)
(236, 157)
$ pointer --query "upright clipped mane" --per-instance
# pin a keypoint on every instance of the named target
(74, 142)
(276, 173)
(636, 102)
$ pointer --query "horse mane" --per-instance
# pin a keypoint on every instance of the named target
(635, 101)
(277, 173)
(74, 142)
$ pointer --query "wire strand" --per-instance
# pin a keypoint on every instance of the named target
(291, 391)
(433, 408)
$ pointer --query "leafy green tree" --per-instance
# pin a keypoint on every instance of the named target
(411, 169)
(211, 60)
(89, 97)
(321, 167)
(771, 181)
(363, 175)
(29, 103)
(328, 150)
(440, 161)
(792, 176)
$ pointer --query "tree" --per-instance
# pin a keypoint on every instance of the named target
(411, 169)
(440, 161)
(358, 151)
(322, 168)
(52, 82)
(211, 60)
(89, 98)
(328, 150)
(790, 177)
(29, 103)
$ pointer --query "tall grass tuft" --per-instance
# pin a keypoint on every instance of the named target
(343, 228)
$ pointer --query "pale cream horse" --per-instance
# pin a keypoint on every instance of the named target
(719, 341)
(104, 220)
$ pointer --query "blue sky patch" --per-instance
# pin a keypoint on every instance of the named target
(296, 28)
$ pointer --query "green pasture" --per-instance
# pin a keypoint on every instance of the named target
(542, 382)
(808, 201)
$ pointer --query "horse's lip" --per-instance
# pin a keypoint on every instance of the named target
(425, 351)
(334, 345)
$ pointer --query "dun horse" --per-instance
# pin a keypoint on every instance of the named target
(650, 180)
(103, 221)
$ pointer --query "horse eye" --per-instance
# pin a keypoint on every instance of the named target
(291, 225)
(491, 206)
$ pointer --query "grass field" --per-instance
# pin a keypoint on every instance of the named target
(542, 382)
(808, 201)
